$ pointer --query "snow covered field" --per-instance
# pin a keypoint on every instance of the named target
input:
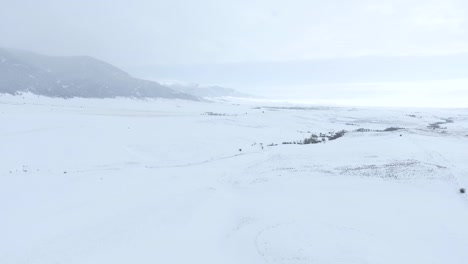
(132, 181)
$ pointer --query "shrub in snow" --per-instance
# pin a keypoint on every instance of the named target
(337, 135)
(391, 129)
(363, 130)
(312, 140)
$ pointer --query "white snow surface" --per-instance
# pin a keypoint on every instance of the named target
(160, 181)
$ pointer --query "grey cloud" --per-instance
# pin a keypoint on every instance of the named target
(208, 31)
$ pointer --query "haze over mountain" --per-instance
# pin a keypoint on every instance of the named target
(366, 80)
(77, 76)
(206, 91)
(359, 52)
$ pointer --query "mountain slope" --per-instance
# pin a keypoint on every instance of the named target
(79, 76)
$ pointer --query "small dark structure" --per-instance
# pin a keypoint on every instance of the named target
(462, 190)
(240, 150)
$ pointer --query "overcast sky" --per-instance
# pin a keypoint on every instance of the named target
(138, 33)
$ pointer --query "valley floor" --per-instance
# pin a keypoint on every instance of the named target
(161, 181)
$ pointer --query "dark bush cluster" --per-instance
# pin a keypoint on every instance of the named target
(437, 125)
(313, 139)
(391, 129)
(337, 135)
(363, 130)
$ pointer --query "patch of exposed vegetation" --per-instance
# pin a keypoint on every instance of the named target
(414, 116)
(330, 136)
(364, 130)
(438, 125)
(337, 135)
(389, 129)
(321, 138)
(217, 114)
(296, 108)
(399, 170)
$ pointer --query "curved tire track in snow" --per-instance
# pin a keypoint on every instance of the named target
(439, 159)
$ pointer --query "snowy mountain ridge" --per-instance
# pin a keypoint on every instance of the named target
(77, 76)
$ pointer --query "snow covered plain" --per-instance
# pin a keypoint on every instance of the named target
(160, 181)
